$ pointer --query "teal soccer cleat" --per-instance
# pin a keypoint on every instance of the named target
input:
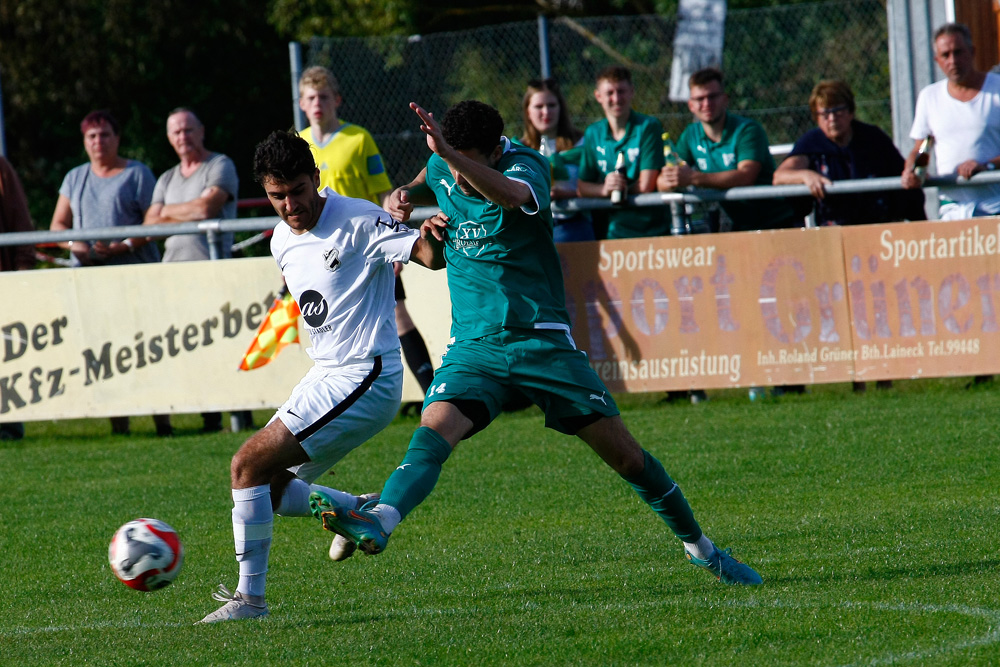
(727, 569)
(319, 502)
(361, 526)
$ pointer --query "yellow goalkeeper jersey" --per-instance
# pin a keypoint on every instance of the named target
(350, 163)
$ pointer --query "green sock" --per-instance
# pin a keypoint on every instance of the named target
(660, 492)
(416, 476)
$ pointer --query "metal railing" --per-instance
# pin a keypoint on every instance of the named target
(213, 229)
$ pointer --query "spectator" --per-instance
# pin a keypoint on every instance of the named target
(202, 186)
(550, 131)
(350, 164)
(727, 151)
(721, 151)
(843, 148)
(962, 113)
(14, 217)
(638, 139)
(108, 191)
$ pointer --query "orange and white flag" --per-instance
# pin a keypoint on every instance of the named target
(279, 328)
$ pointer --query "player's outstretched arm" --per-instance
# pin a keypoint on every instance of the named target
(484, 178)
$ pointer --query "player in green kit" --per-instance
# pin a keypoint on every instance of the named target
(511, 333)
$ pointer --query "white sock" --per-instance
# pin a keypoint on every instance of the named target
(294, 499)
(342, 498)
(253, 521)
(388, 516)
(701, 549)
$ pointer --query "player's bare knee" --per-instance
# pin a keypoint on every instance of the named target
(245, 471)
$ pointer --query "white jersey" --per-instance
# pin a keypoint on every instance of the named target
(340, 274)
(961, 130)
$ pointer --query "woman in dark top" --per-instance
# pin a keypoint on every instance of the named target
(843, 148)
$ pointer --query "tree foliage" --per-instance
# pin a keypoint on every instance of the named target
(64, 58)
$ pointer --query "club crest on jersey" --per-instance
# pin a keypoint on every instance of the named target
(470, 239)
(331, 259)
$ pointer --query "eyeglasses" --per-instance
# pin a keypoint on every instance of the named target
(711, 97)
(833, 111)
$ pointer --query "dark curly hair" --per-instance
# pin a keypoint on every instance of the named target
(283, 156)
(472, 124)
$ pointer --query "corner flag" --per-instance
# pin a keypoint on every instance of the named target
(279, 328)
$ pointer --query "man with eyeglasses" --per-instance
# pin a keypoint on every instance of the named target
(721, 151)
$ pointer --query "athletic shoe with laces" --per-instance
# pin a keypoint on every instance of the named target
(341, 548)
(361, 526)
(727, 569)
(237, 606)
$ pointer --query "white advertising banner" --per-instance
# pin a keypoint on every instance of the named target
(152, 338)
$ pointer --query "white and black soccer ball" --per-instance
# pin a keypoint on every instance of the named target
(145, 554)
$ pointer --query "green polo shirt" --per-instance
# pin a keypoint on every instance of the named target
(642, 145)
(742, 139)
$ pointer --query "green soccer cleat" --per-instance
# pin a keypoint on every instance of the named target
(342, 548)
(361, 526)
(727, 569)
(319, 502)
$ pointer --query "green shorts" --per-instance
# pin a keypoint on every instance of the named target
(542, 364)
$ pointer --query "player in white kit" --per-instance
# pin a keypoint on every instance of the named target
(336, 256)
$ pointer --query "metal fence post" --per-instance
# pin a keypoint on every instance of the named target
(214, 239)
(543, 46)
(295, 61)
(3, 135)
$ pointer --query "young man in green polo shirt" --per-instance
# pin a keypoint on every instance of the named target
(510, 334)
(639, 140)
(721, 151)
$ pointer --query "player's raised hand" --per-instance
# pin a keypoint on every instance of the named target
(434, 226)
(430, 127)
(399, 205)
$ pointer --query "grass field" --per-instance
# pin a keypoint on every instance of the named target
(873, 520)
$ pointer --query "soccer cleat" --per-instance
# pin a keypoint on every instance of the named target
(342, 548)
(361, 526)
(236, 606)
(727, 569)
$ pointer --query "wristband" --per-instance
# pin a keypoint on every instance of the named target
(130, 244)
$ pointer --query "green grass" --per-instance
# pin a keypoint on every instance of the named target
(873, 520)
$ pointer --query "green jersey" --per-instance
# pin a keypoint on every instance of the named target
(503, 270)
(742, 139)
(642, 146)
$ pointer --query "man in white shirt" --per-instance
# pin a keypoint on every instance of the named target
(336, 255)
(962, 113)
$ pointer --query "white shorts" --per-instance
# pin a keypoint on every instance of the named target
(333, 410)
(967, 210)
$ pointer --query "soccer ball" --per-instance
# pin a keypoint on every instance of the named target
(145, 554)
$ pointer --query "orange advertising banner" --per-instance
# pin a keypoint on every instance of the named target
(924, 298)
(800, 306)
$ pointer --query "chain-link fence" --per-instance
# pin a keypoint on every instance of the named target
(773, 57)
